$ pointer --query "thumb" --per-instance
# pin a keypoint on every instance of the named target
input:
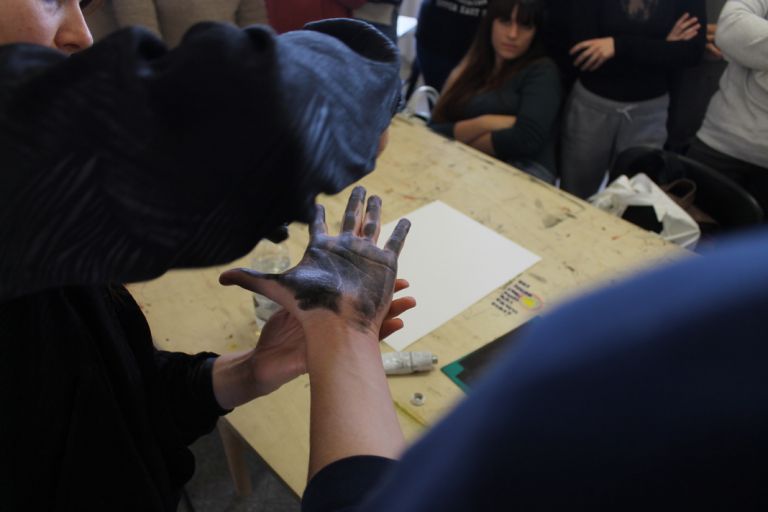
(268, 285)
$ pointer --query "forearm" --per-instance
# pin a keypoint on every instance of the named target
(470, 129)
(233, 379)
(658, 53)
(647, 50)
(742, 33)
(351, 406)
(484, 143)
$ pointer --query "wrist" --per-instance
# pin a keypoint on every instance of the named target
(234, 379)
(340, 334)
(339, 345)
(325, 326)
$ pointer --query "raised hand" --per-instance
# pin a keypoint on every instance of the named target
(281, 353)
(712, 51)
(685, 29)
(591, 54)
(341, 279)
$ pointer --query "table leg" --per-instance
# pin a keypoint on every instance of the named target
(234, 449)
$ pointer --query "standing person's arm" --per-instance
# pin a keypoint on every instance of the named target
(670, 53)
(742, 33)
(664, 53)
(583, 26)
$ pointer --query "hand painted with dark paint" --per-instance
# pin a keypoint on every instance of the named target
(343, 278)
(281, 353)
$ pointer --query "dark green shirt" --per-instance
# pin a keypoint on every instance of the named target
(533, 96)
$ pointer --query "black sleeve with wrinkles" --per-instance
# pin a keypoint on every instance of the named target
(127, 159)
(539, 105)
(188, 382)
(664, 54)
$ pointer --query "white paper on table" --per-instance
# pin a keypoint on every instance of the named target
(451, 262)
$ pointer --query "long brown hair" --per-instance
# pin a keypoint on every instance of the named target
(480, 73)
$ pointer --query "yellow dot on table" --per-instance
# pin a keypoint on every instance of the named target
(530, 302)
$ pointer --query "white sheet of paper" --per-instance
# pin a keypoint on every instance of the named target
(451, 262)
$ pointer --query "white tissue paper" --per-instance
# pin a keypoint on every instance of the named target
(678, 227)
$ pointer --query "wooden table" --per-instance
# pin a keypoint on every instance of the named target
(580, 247)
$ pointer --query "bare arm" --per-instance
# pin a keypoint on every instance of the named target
(484, 143)
(351, 411)
(280, 356)
(340, 293)
(468, 131)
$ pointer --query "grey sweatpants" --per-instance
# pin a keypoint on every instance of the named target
(597, 129)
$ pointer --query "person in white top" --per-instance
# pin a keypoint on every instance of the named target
(734, 136)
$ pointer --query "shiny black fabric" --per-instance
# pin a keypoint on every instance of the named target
(126, 160)
(118, 164)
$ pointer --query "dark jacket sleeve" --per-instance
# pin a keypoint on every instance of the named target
(539, 106)
(444, 129)
(188, 383)
(583, 21)
(342, 485)
(126, 160)
(664, 54)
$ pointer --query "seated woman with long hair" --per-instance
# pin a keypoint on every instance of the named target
(504, 97)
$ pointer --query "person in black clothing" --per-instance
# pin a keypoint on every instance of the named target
(690, 89)
(624, 50)
(504, 97)
(444, 33)
(124, 160)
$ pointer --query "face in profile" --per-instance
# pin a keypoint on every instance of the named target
(53, 23)
(511, 39)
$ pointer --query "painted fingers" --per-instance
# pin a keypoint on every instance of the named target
(353, 215)
(363, 222)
